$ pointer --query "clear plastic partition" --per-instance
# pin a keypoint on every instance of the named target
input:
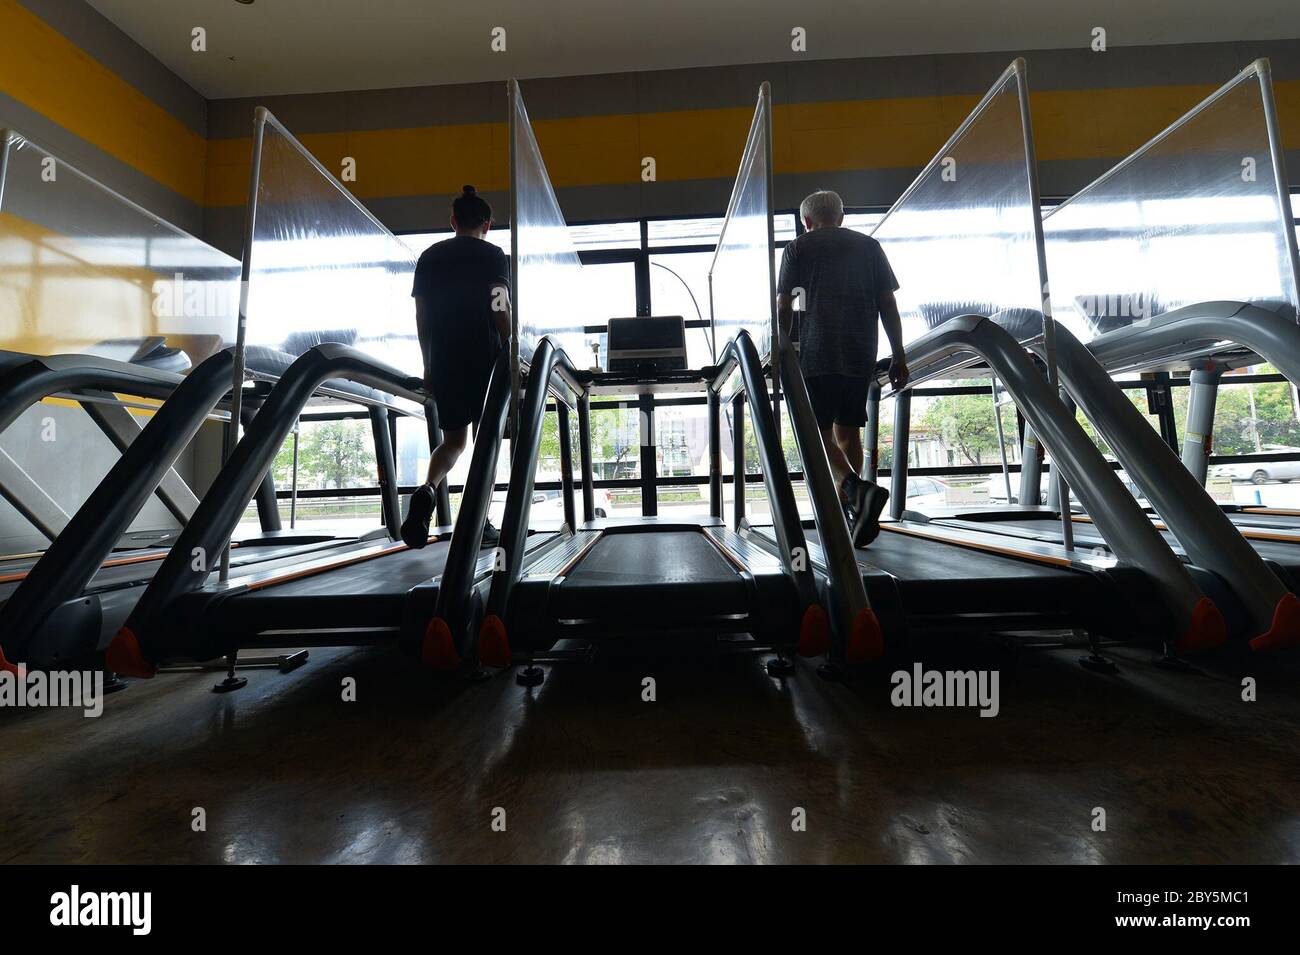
(84, 270)
(742, 281)
(548, 291)
(320, 267)
(1195, 215)
(963, 238)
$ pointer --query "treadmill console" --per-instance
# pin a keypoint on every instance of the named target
(646, 344)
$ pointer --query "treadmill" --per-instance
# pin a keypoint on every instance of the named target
(649, 575)
(958, 317)
(69, 599)
(1147, 329)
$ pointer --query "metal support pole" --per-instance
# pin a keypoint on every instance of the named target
(390, 505)
(293, 476)
(1198, 440)
(715, 455)
(871, 445)
(230, 438)
(1031, 468)
(1061, 489)
(898, 469)
(566, 464)
(1002, 441)
(649, 468)
(268, 505)
(1160, 403)
(584, 455)
(738, 457)
(442, 496)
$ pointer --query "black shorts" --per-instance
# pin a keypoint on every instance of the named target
(459, 391)
(839, 399)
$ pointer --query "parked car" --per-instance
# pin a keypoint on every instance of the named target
(998, 489)
(1261, 472)
(926, 492)
(549, 505)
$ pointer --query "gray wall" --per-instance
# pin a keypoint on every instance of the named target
(736, 86)
(98, 37)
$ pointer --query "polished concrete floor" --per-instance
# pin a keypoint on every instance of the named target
(712, 771)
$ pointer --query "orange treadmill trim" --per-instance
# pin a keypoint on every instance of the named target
(332, 565)
(1005, 551)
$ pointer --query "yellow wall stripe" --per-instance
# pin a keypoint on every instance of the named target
(49, 73)
(705, 143)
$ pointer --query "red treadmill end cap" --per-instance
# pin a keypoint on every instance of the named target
(1206, 630)
(438, 650)
(866, 641)
(814, 632)
(8, 667)
(1285, 629)
(493, 645)
(125, 657)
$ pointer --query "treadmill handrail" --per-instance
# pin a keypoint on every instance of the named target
(462, 553)
(218, 513)
(1205, 532)
(1114, 510)
(73, 558)
(1264, 332)
(741, 352)
(40, 376)
(847, 589)
(548, 360)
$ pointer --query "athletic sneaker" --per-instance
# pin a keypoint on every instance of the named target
(491, 536)
(865, 502)
(419, 513)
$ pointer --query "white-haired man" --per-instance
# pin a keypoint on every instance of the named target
(846, 286)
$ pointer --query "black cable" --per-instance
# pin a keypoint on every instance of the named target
(713, 358)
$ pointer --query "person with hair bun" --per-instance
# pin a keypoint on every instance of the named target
(462, 315)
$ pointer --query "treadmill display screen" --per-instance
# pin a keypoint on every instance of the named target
(321, 268)
(84, 270)
(963, 238)
(1195, 215)
(742, 283)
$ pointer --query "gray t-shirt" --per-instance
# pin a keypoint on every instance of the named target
(843, 274)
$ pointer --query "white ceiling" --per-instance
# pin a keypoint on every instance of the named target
(302, 46)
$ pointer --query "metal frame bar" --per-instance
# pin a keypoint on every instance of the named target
(231, 436)
(742, 353)
(1206, 534)
(1048, 353)
(1119, 519)
(762, 121)
(219, 511)
(73, 558)
(1264, 70)
(30, 499)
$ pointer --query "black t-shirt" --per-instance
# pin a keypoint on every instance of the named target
(843, 274)
(455, 277)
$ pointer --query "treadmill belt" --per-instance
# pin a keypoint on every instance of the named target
(914, 558)
(654, 574)
(1086, 535)
(391, 574)
(936, 578)
(370, 593)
